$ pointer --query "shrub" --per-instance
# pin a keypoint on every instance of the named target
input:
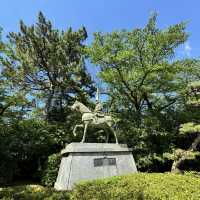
(8, 166)
(140, 186)
(7, 170)
(27, 192)
(51, 171)
(25, 146)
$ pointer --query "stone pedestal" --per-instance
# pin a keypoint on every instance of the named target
(88, 161)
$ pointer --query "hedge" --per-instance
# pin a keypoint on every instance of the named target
(140, 186)
(148, 186)
(29, 192)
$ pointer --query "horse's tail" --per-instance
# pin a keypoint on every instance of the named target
(116, 120)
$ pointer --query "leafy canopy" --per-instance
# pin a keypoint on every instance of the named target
(139, 65)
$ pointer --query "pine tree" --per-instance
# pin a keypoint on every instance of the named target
(49, 64)
(190, 129)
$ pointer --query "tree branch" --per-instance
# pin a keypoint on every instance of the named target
(169, 104)
(3, 109)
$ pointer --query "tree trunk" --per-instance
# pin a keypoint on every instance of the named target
(196, 142)
(177, 163)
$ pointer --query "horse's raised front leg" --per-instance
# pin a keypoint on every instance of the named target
(84, 134)
(112, 130)
(74, 131)
(107, 131)
(107, 137)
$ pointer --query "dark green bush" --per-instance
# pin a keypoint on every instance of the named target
(7, 170)
(51, 171)
(140, 186)
(25, 146)
(8, 165)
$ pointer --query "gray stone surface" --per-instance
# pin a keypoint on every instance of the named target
(88, 161)
(95, 147)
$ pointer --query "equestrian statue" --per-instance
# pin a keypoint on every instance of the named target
(96, 119)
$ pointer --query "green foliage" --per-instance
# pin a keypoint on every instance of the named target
(13, 105)
(8, 166)
(134, 186)
(193, 98)
(193, 91)
(148, 145)
(48, 64)
(152, 162)
(140, 186)
(51, 170)
(137, 66)
(43, 68)
(11, 99)
(180, 153)
(189, 128)
(25, 147)
(145, 84)
(192, 173)
(28, 192)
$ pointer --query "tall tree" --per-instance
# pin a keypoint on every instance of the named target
(139, 67)
(145, 82)
(49, 64)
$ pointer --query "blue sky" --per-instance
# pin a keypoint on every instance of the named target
(106, 16)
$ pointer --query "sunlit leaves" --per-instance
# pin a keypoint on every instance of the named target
(140, 64)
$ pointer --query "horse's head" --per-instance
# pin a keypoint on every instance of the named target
(75, 106)
(78, 106)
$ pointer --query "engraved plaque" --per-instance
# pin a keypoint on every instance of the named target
(98, 162)
(104, 161)
(112, 161)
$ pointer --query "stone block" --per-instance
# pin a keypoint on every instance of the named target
(89, 161)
